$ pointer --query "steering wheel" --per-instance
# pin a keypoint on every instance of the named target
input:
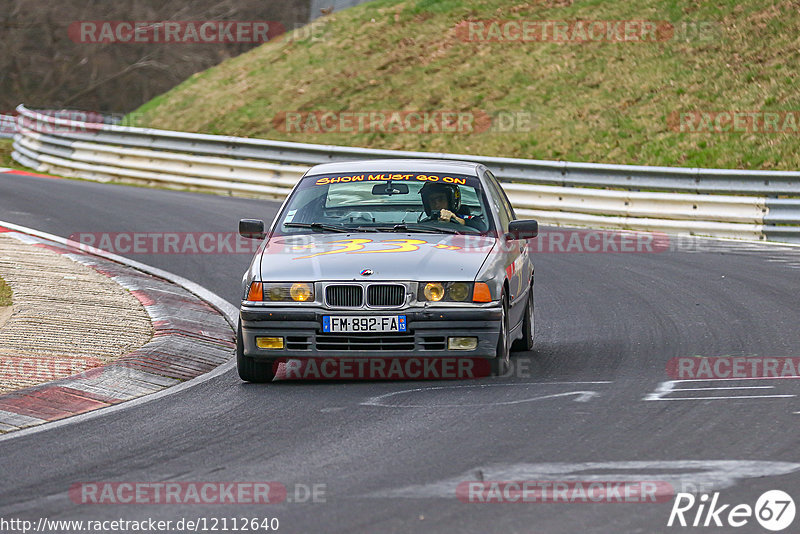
(432, 217)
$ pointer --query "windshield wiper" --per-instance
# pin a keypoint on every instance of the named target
(436, 229)
(394, 228)
(318, 226)
(421, 228)
(374, 229)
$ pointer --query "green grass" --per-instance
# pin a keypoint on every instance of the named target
(5, 154)
(6, 161)
(5, 294)
(599, 102)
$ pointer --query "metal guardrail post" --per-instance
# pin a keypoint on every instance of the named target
(721, 202)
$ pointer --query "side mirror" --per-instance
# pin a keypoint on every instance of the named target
(522, 229)
(252, 228)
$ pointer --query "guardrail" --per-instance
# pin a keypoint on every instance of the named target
(722, 203)
(8, 123)
(8, 126)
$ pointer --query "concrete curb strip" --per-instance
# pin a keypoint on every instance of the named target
(67, 317)
(191, 338)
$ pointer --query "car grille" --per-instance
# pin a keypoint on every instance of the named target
(374, 342)
(383, 341)
(385, 295)
(298, 343)
(344, 296)
(433, 343)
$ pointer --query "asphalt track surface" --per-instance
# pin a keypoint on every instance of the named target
(607, 324)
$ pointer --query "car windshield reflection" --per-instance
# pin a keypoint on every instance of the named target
(386, 202)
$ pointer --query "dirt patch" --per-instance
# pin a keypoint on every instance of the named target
(5, 313)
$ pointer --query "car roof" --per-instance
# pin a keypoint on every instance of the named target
(440, 166)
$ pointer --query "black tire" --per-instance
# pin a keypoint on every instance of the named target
(502, 360)
(526, 342)
(249, 369)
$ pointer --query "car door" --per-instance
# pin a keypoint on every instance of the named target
(516, 266)
(525, 267)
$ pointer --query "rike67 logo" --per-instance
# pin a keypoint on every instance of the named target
(774, 510)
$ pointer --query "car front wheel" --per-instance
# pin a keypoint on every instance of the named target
(526, 342)
(249, 369)
(502, 360)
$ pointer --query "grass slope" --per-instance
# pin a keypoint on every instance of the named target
(5, 154)
(5, 294)
(600, 102)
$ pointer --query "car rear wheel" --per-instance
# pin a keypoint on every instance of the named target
(502, 360)
(526, 342)
(249, 369)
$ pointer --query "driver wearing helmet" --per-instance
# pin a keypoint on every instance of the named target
(444, 199)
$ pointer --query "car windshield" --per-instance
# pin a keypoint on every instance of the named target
(386, 202)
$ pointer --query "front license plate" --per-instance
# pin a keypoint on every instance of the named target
(364, 323)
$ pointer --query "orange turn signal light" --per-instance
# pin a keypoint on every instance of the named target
(256, 291)
(481, 292)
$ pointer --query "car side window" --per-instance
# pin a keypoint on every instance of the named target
(500, 201)
(503, 196)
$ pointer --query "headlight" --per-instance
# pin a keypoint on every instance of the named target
(433, 291)
(281, 292)
(301, 292)
(458, 291)
(276, 293)
(444, 291)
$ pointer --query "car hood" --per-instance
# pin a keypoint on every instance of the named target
(389, 256)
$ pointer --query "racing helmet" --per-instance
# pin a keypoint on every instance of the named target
(451, 192)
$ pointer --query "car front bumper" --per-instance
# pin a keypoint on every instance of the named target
(427, 333)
